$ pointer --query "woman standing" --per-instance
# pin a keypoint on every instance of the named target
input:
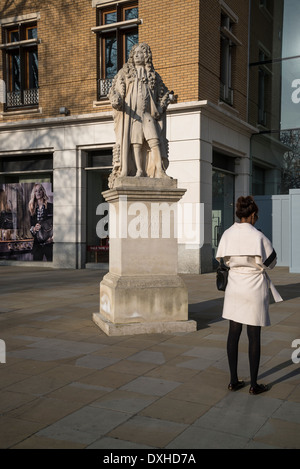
(248, 253)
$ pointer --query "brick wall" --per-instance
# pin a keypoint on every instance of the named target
(171, 28)
(66, 54)
(184, 38)
(209, 81)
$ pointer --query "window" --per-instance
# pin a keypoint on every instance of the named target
(98, 169)
(117, 32)
(20, 59)
(266, 4)
(228, 42)
(26, 168)
(258, 180)
(264, 74)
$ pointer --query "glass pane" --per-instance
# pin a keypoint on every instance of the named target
(15, 83)
(222, 205)
(100, 158)
(290, 94)
(97, 241)
(110, 45)
(291, 31)
(13, 36)
(32, 78)
(258, 180)
(24, 163)
(130, 40)
(32, 33)
(131, 13)
(110, 17)
(281, 150)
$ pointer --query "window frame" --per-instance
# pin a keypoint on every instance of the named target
(120, 28)
(24, 97)
(264, 72)
(228, 41)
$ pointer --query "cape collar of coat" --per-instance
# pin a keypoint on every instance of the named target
(243, 239)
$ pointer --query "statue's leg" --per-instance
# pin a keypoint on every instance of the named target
(137, 151)
(154, 145)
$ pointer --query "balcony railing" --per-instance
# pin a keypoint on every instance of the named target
(22, 98)
(104, 87)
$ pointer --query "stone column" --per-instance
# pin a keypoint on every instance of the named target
(142, 293)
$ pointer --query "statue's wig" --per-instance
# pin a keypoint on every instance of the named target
(129, 67)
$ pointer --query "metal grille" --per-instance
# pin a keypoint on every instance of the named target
(30, 98)
(13, 99)
(104, 87)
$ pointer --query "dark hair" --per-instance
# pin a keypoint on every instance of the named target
(245, 206)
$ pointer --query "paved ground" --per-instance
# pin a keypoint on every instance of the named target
(65, 384)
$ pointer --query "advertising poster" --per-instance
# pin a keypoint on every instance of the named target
(26, 221)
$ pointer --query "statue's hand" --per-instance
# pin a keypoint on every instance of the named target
(157, 116)
(116, 101)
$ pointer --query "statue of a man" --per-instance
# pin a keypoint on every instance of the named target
(139, 99)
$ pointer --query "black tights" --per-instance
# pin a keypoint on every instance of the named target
(235, 329)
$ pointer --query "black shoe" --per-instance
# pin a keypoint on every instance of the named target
(258, 389)
(236, 386)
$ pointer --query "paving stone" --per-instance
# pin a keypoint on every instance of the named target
(114, 443)
(203, 438)
(279, 434)
(13, 430)
(288, 411)
(148, 356)
(143, 430)
(151, 386)
(124, 401)
(86, 425)
(96, 362)
(38, 442)
(175, 410)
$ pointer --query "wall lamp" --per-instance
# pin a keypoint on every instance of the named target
(64, 110)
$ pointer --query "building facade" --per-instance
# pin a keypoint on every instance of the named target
(56, 127)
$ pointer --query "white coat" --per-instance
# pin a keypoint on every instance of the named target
(248, 253)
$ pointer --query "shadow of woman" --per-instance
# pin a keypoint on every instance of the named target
(289, 292)
(291, 374)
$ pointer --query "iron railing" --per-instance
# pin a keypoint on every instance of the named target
(104, 87)
(22, 98)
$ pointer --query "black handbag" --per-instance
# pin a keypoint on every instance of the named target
(222, 276)
(46, 230)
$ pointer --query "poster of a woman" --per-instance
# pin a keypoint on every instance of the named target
(26, 221)
(5, 212)
(41, 223)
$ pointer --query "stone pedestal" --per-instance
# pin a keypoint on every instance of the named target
(142, 293)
